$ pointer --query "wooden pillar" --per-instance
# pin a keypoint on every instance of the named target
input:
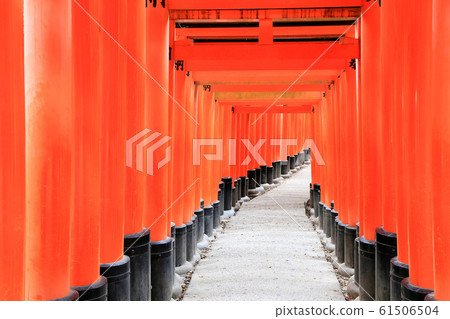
(440, 66)
(371, 122)
(49, 133)
(85, 221)
(421, 272)
(113, 139)
(157, 118)
(12, 148)
(179, 141)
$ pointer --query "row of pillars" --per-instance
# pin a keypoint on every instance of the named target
(89, 98)
(383, 130)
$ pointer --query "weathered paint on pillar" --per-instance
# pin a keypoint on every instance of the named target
(49, 134)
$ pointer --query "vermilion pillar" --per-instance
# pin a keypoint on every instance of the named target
(388, 23)
(85, 222)
(198, 92)
(156, 108)
(189, 170)
(178, 135)
(113, 145)
(371, 147)
(113, 126)
(386, 238)
(226, 132)
(332, 151)
(440, 66)
(240, 135)
(314, 136)
(232, 152)
(49, 133)
(177, 187)
(420, 237)
(337, 149)
(206, 117)
(159, 152)
(401, 127)
(12, 146)
(351, 149)
(132, 94)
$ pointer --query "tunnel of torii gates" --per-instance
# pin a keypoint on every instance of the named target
(92, 94)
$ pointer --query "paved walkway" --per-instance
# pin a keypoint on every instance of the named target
(268, 251)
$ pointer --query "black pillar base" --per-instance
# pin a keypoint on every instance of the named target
(236, 199)
(173, 236)
(366, 269)
(137, 247)
(243, 186)
(399, 271)
(222, 197)
(333, 223)
(385, 250)
(278, 164)
(219, 199)
(180, 242)
(258, 177)
(202, 203)
(200, 224)
(284, 168)
(98, 291)
(317, 199)
(162, 269)
(270, 175)
(72, 296)
(251, 173)
(233, 197)
(328, 222)
(291, 160)
(340, 242)
(228, 188)
(216, 215)
(296, 157)
(349, 249)
(208, 211)
(118, 277)
(238, 186)
(356, 260)
(263, 174)
(274, 171)
(321, 209)
(413, 293)
(191, 239)
(308, 154)
(325, 210)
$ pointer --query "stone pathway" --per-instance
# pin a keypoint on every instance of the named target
(268, 251)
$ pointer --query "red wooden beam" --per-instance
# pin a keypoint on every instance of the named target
(276, 14)
(274, 109)
(278, 56)
(252, 33)
(287, 64)
(268, 102)
(270, 88)
(259, 77)
(255, 4)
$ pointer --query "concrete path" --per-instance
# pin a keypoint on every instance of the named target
(268, 251)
